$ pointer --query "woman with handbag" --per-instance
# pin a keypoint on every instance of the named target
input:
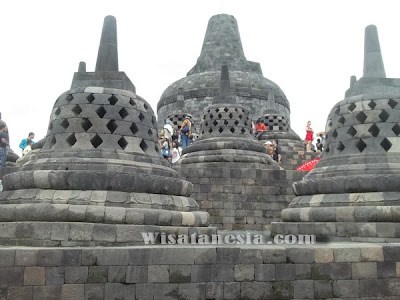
(185, 132)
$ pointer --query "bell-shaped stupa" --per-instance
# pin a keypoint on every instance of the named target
(99, 178)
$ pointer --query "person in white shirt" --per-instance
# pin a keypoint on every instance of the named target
(168, 130)
(176, 153)
(28, 148)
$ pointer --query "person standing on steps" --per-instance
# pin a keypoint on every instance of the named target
(186, 129)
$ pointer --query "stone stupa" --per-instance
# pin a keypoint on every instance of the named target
(99, 178)
(234, 178)
(353, 193)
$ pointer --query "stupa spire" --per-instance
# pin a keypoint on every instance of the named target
(107, 58)
(225, 95)
(373, 62)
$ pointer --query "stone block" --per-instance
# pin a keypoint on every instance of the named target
(119, 291)
(51, 292)
(264, 272)
(256, 290)
(180, 273)
(283, 290)
(386, 269)
(104, 232)
(34, 276)
(378, 288)
(81, 232)
(205, 256)
(59, 232)
(373, 253)
(364, 270)
(251, 256)
(144, 291)
(71, 257)
(165, 291)
(97, 274)
(347, 254)
(300, 255)
(139, 256)
(195, 291)
(200, 273)
(222, 273)
(49, 258)
(25, 257)
(7, 257)
(244, 272)
(345, 288)
(323, 289)
(340, 270)
(303, 289)
(136, 274)
(54, 275)
(172, 256)
(321, 271)
(215, 290)
(19, 293)
(76, 275)
(117, 274)
(112, 257)
(158, 273)
(72, 291)
(323, 255)
(274, 255)
(391, 253)
(231, 290)
(228, 255)
(303, 271)
(94, 291)
(285, 272)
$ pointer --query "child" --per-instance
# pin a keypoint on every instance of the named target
(165, 148)
(176, 153)
(28, 148)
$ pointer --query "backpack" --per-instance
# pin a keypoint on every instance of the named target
(185, 129)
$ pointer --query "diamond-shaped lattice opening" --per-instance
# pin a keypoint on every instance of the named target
(202, 132)
(219, 116)
(374, 130)
(206, 124)
(245, 123)
(340, 146)
(396, 129)
(236, 122)
(132, 102)
(361, 145)
(211, 116)
(96, 141)
(232, 129)
(90, 98)
(236, 109)
(226, 109)
(230, 115)
(77, 110)
(71, 140)
(361, 117)
(134, 128)
(243, 130)
(58, 111)
(352, 131)
(69, 97)
(341, 120)
(220, 130)
(141, 117)
(384, 115)
(392, 103)
(157, 148)
(146, 107)
(112, 126)
(334, 134)
(351, 107)
(217, 110)
(86, 124)
(144, 146)
(113, 100)
(204, 117)
(386, 144)
(154, 121)
(337, 111)
(64, 123)
(122, 143)
(215, 123)
(240, 117)
(210, 130)
(53, 141)
(101, 111)
(123, 113)
(150, 132)
(330, 124)
(226, 122)
(372, 104)
(327, 150)
(50, 126)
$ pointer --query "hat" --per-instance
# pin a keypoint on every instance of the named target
(187, 117)
(268, 143)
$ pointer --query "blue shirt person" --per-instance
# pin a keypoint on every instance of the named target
(24, 142)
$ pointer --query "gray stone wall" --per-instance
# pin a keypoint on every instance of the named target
(339, 271)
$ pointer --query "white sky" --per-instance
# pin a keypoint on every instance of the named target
(309, 48)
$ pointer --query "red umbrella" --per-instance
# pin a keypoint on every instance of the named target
(308, 165)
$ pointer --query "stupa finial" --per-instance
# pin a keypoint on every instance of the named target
(107, 58)
(373, 62)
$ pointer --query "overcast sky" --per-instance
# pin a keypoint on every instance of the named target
(309, 48)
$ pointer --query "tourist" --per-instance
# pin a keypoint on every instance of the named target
(277, 156)
(24, 142)
(260, 128)
(185, 132)
(168, 130)
(4, 145)
(28, 148)
(319, 145)
(270, 149)
(175, 153)
(309, 136)
(165, 148)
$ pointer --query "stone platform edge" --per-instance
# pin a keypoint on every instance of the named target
(324, 271)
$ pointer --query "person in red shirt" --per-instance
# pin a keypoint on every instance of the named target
(260, 128)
